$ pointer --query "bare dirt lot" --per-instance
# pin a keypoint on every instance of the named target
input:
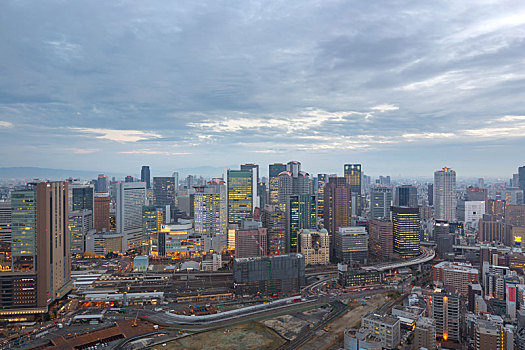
(251, 335)
(331, 338)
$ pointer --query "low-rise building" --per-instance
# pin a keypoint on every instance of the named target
(386, 328)
(355, 277)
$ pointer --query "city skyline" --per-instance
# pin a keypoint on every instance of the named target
(211, 84)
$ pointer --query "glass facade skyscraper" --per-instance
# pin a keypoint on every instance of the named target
(405, 222)
(240, 195)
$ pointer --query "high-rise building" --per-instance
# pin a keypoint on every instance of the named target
(164, 191)
(211, 213)
(446, 311)
(250, 242)
(455, 275)
(315, 246)
(5, 223)
(175, 175)
(430, 194)
(521, 177)
(80, 223)
(28, 281)
(337, 205)
(351, 244)
(293, 181)
(131, 197)
(425, 334)
(301, 213)
(380, 202)
(269, 275)
(381, 239)
(249, 167)
(352, 174)
(489, 335)
(102, 184)
(241, 194)
(514, 217)
(476, 194)
(322, 179)
(405, 196)
(445, 194)
(101, 212)
(405, 223)
(153, 217)
(273, 182)
(145, 176)
(274, 220)
(80, 196)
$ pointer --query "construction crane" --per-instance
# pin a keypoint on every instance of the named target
(134, 324)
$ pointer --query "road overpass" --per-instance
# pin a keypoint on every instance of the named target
(426, 256)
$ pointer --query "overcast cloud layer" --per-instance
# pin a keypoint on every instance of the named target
(403, 87)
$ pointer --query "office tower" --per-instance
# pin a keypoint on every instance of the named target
(153, 218)
(175, 175)
(405, 196)
(164, 191)
(5, 223)
(131, 197)
(445, 194)
(269, 275)
(476, 194)
(274, 220)
(241, 193)
(29, 282)
(322, 179)
(251, 242)
(495, 207)
(249, 167)
(521, 178)
(425, 334)
(129, 178)
(405, 223)
(80, 223)
(314, 246)
(430, 194)
(381, 239)
(514, 218)
(445, 243)
(446, 312)
(455, 275)
(273, 182)
(80, 196)
(101, 214)
(211, 213)
(145, 176)
(351, 244)
(337, 205)
(380, 202)
(301, 213)
(102, 184)
(262, 190)
(513, 196)
(293, 182)
(352, 174)
(386, 328)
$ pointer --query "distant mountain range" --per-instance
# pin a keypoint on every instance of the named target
(29, 173)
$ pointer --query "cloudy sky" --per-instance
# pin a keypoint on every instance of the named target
(403, 87)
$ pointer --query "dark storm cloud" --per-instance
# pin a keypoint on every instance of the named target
(189, 83)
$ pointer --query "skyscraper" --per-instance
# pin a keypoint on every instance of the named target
(240, 195)
(405, 222)
(521, 177)
(274, 220)
(322, 179)
(28, 281)
(445, 194)
(81, 196)
(380, 202)
(153, 217)
(101, 212)
(164, 191)
(293, 181)
(446, 311)
(301, 213)
(249, 167)
(337, 206)
(80, 223)
(273, 181)
(145, 176)
(131, 197)
(405, 196)
(102, 184)
(352, 173)
(211, 213)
